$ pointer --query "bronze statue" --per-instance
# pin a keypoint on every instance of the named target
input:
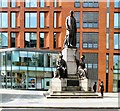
(61, 71)
(71, 29)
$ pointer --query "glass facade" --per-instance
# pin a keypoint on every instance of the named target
(42, 19)
(19, 68)
(30, 20)
(30, 3)
(91, 63)
(90, 40)
(42, 3)
(117, 3)
(3, 3)
(13, 3)
(90, 19)
(30, 39)
(116, 20)
(78, 40)
(55, 19)
(116, 41)
(90, 4)
(13, 20)
(3, 20)
(42, 36)
(3, 39)
(13, 39)
(77, 17)
(77, 3)
(116, 79)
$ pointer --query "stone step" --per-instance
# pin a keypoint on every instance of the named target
(61, 97)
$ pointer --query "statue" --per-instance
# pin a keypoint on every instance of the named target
(61, 71)
(81, 69)
(70, 39)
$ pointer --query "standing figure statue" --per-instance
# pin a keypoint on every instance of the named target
(61, 71)
(81, 69)
(71, 29)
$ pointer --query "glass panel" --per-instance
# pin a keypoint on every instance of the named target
(13, 39)
(116, 20)
(4, 20)
(107, 40)
(4, 3)
(77, 17)
(77, 3)
(27, 20)
(117, 3)
(55, 19)
(42, 40)
(23, 58)
(78, 40)
(42, 20)
(15, 58)
(42, 3)
(116, 41)
(13, 20)
(33, 20)
(13, 3)
(4, 40)
(108, 14)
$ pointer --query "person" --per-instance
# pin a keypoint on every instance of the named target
(101, 88)
(61, 71)
(71, 30)
(81, 69)
(95, 86)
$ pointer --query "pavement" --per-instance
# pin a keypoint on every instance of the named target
(11, 98)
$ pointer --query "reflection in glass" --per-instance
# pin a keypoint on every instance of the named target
(3, 20)
(30, 20)
(42, 20)
(3, 39)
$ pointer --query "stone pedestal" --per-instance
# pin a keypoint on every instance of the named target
(72, 83)
(68, 56)
(67, 84)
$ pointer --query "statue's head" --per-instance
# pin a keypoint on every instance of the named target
(82, 57)
(60, 55)
(71, 13)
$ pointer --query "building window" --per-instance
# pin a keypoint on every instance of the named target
(13, 20)
(56, 3)
(116, 20)
(90, 3)
(3, 39)
(77, 17)
(56, 39)
(3, 20)
(108, 3)
(3, 3)
(30, 20)
(107, 41)
(90, 40)
(116, 41)
(57, 18)
(108, 20)
(13, 3)
(77, 3)
(117, 3)
(42, 19)
(116, 79)
(90, 19)
(42, 3)
(13, 39)
(92, 65)
(42, 36)
(30, 39)
(78, 40)
(30, 3)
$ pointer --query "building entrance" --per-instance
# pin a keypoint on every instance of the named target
(118, 85)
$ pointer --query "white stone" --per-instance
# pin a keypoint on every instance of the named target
(84, 84)
(68, 56)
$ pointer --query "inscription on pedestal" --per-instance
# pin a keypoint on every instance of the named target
(72, 82)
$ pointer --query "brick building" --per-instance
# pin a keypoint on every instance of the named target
(33, 32)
